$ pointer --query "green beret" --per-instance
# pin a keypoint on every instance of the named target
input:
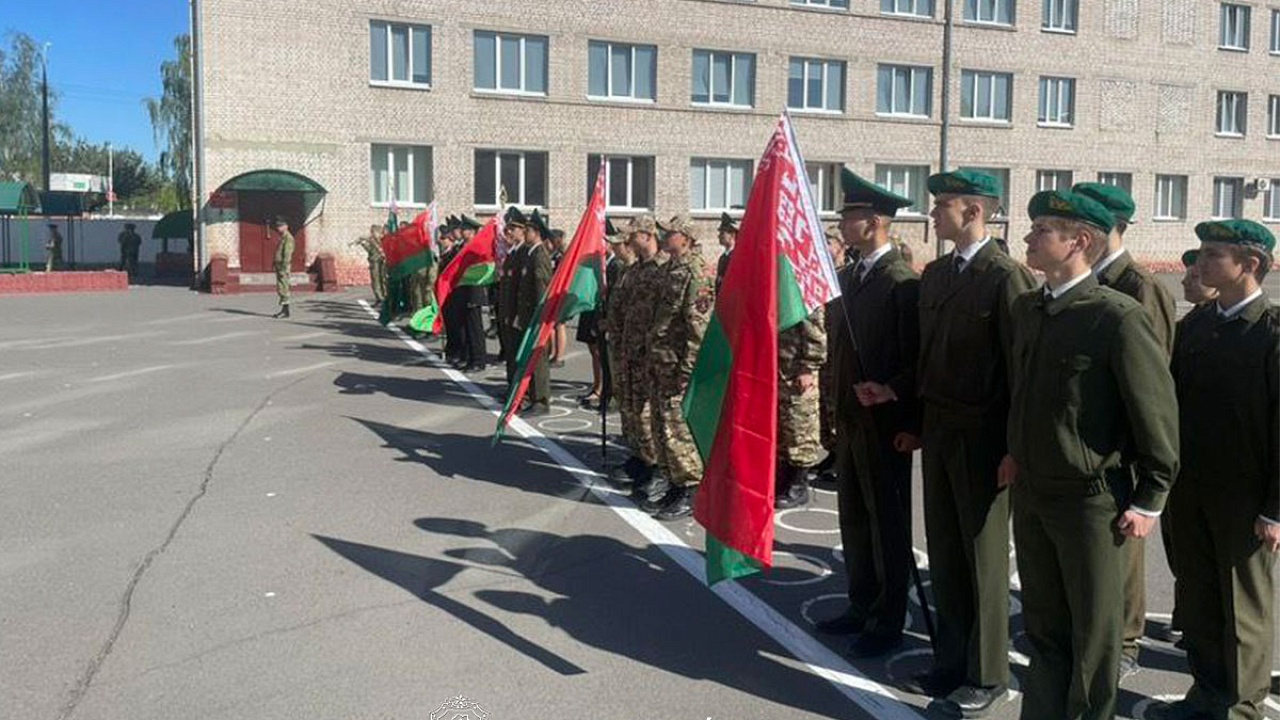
(727, 224)
(1072, 206)
(1237, 232)
(469, 223)
(1112, 197)
(965, 182)
(1189, 258)
(859, 193)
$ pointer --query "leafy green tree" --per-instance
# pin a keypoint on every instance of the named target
(171, 119)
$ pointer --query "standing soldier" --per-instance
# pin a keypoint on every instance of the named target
(377, 262)
(802, 351)
(508, 283)
(282, 262)
(471, 300)
(1194, 291)
(621, 258)
(130, 243)
(1226, 503)
(53, 249)
(535, 276)
(728, 236)
(826, 409)
(644, 281)
(875, 351)
(965, 301)
(1090, 388)
(1117, 270)
(682, 308)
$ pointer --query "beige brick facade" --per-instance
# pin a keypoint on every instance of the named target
(287, 85)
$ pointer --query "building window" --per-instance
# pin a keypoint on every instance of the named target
(1171, 197)
(904, 90)
(1124, 181)
(1057, 101)
(511, 63)
(996, 12)
(1273, 116)
(914, 8)
(1228, 197)
(621, 72)
(816, 85)
(1275, 32)
(824, 182)
(985, 95)
(1271, 201)
(1059, 15)
(400, 54)
(1232, 113)
(1001, 174)
(1053, 180)
(628, 183)
(1233, 33)
(724, 78)
(832, 4)
(523, 175)
(909, 181)
(718, 185)
(402, 172)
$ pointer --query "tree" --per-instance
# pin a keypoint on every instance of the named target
(171, 119)
(21, 125)
(131, 178)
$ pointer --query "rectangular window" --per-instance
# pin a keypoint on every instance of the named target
(1273, 116)
(1171, 197)
(523, 175)
(1232, 113)
(1121, 180)
(718, 185)
(621, 72)
(1228, 197)
(985, 95)
(1053, 180)
(815, 85)
(402, 172)
(824, 182)
(909, 181)
(833, 4)
(914, 8)
(400, 54)
(724, 78)
(1059, 15)
(904, 90)
(995, 12)
(1001, 174)
(1275, 32)
(628, 183)
(1233, 31)
(511, 63)
(1271, 201)
(1057, 101)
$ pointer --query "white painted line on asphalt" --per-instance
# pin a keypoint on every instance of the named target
(181, 318)
(867, 694)
(79, 342)
(19, 375)
(299, 371)
(307, 336)
(217, 338)
(132, 373)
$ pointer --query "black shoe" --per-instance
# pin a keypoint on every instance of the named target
(537, 409)
(282, 313)
(632, 471)
(968, 701)
(680, 506)
(1166, 632)
(793, 488)
(1128, 668)
(932, 684)
(873, 646)
(1179, 710)
(656, 493)
(846, 624)
(1275, 685)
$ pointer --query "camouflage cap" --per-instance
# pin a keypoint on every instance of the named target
(1071, 206)
(1245, 233)
(611, 233)
(1112, 197)
(833, 233)
(965, 182)
(642, 224)
(682, 224)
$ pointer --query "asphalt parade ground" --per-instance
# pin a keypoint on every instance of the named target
(208, 513)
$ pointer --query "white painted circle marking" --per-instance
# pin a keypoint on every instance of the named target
(780, 519)
(564, 425)
(807, 604)
(824, 570)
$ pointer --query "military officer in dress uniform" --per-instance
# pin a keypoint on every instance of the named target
(508, 282)
(535, 276)
(728, 236)
(471, 300)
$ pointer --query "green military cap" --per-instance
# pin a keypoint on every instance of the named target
(469, 223)
(1246, 233)
(1072, 206)
(727, 224)
(515, 217)
(682, 224)
(1189, 258)
(538, 222)
(1112, 197)
(642, 224)
(860, 193)
(965, 182)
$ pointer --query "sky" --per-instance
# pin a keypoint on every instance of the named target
(104, 60)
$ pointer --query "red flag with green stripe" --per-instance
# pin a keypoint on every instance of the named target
(781, 272)
(474, 265)
(407, 250)
(575, 288)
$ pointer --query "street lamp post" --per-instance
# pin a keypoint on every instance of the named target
(44, 92)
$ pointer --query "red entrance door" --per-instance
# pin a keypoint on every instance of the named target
(257, 210)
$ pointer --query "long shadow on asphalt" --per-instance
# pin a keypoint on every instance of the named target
(435, 390)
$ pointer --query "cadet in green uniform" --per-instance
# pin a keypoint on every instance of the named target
(130, 243)
(1116, 269)
(875, 350)
(1090, 389)
(1226, 504)
(282, 261)
(1194, 291)
(728, 236)
(471, 300)
(508, 282)
(534, 277)
(622, 386)
(966, 297)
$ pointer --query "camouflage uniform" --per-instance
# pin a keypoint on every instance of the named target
(643, 281)
(802, 350)
(283, 259)
(377, 267)
(616, 302)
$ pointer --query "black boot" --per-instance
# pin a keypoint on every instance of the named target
(628, 472)
(679, 505)
(793, 487)
(283, 313)
(651, 493)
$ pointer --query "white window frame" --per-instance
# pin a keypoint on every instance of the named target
(389, 150)
(1232, 114)
(913, 8)
(978, 76)
(1171, 198)
(909, 181)
(1062, 180)
(518, 194)
(707, 165)
(1122, 180)
(497, 89)
(1060, 16)
(915, 71)
(826, 64)
(1052, 100)
(632, 180)
(1271, 202)
(838, 5)
(733, 70)
(824, 181)
(1275, 31)
(388, 27)
(1220, 185)
(610, 95)
(1234, 26)
(976, 17)
(1273, 117)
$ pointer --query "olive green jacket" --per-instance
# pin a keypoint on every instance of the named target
(1137, 282)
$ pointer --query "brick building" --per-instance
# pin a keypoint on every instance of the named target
(354, 101)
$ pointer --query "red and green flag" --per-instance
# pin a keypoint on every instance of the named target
(781, 272)
(407, 250)
(474, 265)
(575, 288)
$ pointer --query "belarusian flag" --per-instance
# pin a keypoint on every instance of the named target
(575, 288)
(407, 251)
(781, 272)
(474, 265)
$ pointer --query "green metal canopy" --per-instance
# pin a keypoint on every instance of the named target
(176, 224)
(17, 198)
(273, 181)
